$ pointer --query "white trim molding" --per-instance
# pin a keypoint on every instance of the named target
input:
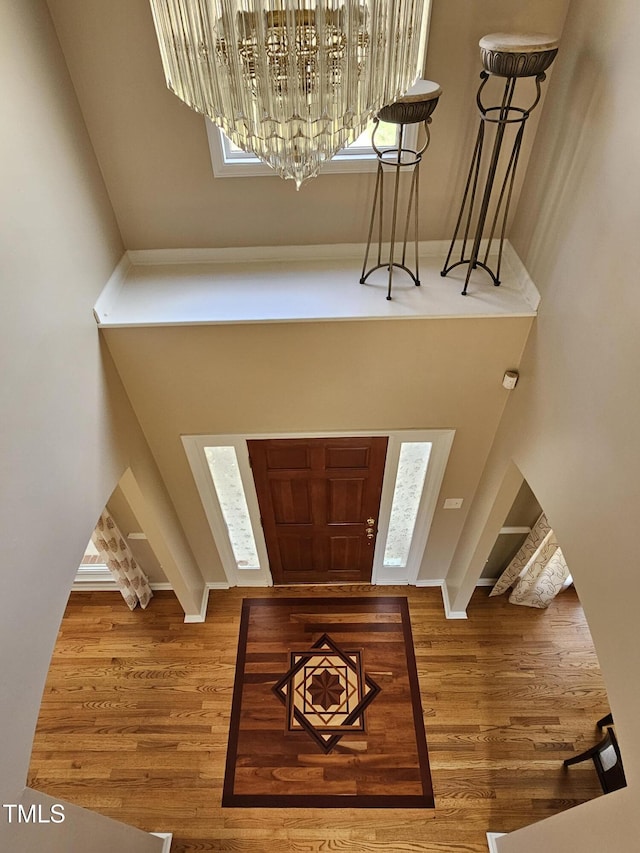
(449, 613)
(441, 442)
(199, 617)
(93, 574)
(202, 616)
(167, 836)
(436, 249)
(108, 584)
(194, 447)
(143, 292)
(94, 586)
(491, 840)
(112, 288)
(524, 281)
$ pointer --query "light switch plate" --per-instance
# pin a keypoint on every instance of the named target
(453, 503)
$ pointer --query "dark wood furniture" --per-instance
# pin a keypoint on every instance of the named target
(607, 720)
(607, 761)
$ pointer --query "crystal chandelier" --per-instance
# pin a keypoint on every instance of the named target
(293, 81)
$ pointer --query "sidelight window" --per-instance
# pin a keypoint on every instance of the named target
(410, 479)
(225, 474)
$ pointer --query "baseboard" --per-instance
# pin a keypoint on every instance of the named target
(199, 617)
(491, 840)
(448, 612)
(313, 252)
(109, 585)
(209, 585)
(168, 836)
(94, 586)
(440, 581)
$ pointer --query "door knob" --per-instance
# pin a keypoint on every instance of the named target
(369, 535)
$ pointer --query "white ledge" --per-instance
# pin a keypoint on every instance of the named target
(301, 284)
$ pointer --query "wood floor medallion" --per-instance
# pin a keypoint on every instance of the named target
(326, 707)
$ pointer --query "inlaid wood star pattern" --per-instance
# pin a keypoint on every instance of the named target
(326, 690)
(339, 678)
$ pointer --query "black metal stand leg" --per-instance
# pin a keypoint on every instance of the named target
(403, 158)
(511, 61)
(394, 215)
(373, 217)
(415, 108)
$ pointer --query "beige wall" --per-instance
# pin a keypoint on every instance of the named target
(314, 378)
(573, 423)
(153, 151)
(127, 522)
(61, 450)
(524, 512)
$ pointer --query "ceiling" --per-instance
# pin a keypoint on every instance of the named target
(153, 151)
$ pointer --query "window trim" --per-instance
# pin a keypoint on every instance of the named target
(249, 166)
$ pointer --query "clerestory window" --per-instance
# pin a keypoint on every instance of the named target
(229, 161)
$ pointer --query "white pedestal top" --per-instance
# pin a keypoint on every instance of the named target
(518, 42)
(422, 90)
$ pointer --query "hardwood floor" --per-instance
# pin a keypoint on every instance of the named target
(135, 714)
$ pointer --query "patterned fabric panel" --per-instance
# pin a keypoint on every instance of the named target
(538, 571)
(116, 554)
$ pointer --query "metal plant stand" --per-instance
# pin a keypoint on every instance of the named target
(416, 106)
(511, 57)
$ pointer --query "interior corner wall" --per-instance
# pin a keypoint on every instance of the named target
(61, 453)
(573, 423)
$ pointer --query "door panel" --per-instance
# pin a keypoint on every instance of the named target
(344, 500)
(347, 457)
(344, 553)
(316, 497)
(291, 501)
(290, 458)
(296, 552)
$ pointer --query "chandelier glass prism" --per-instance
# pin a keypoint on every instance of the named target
(292, 81)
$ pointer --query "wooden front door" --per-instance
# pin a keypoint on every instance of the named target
(319, 500)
